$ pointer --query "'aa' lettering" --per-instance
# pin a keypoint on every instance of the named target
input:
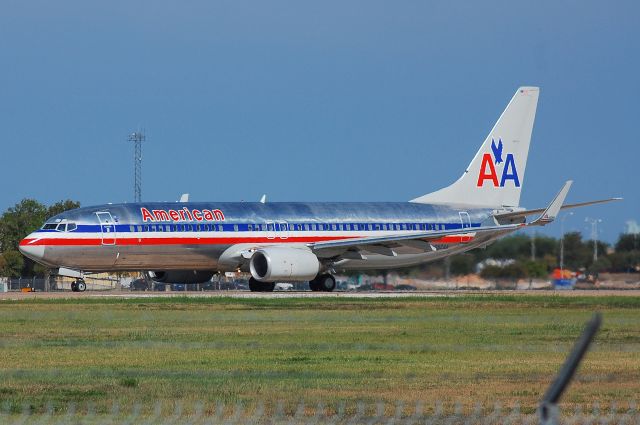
(509, 164)
(491, 175)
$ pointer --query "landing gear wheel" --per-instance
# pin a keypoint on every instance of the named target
(326, 282)
(81, 285)
(314, 286)
(323, 283)
(74, 287)
(256, 286)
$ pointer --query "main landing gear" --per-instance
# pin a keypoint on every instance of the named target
(323, 283)
(79, 285)
(257, 286)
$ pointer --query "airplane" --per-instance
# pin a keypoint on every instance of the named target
(187, 242)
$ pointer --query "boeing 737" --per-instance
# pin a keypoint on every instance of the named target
(188, 242)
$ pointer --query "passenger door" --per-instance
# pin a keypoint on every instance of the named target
(107, 228)
(465, 220)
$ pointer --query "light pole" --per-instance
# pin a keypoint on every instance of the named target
(594, 235)
(564, 217)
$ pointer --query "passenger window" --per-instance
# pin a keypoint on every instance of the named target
(220, 228)
(370, 227)
(132, 229)
(235, 227)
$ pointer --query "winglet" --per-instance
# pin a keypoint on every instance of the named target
(184, 197)
(553, 209)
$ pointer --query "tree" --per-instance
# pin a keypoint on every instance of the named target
(576, 253)
(536, 269)
(462, 264)
(62, 206)
(20, 220)
(625, 262)
(510, 271)
(628, 242)
(13, 263)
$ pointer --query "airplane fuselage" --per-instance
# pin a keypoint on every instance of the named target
(208, 236)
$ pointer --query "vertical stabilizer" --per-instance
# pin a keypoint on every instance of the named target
(495, 176)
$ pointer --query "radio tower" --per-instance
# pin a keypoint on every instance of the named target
(137, 138)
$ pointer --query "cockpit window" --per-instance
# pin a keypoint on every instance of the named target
(61, 227)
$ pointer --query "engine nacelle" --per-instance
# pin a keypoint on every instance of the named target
(279, 264)
(180, 276)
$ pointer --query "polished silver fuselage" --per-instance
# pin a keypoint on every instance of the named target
(208, 236)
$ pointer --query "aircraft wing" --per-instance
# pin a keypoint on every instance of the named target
(420, 240)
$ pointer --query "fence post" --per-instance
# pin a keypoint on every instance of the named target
(47, 279)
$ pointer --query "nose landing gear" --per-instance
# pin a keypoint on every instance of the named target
(79, 285)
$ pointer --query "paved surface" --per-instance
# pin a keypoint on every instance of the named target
(308, 294)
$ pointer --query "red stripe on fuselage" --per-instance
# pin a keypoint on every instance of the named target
(208, 241)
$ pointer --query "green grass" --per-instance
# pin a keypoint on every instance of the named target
(469, 349)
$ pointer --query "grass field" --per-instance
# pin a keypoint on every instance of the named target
(464, 349)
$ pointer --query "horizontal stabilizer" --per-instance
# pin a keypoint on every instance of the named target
(517, 216)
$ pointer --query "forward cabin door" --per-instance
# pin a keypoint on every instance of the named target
(465, 220)
(107, 228)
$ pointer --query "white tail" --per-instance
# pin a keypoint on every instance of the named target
(495, 176)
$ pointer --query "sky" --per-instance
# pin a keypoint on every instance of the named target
(315, 101)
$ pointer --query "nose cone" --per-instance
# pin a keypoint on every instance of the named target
(35, 252)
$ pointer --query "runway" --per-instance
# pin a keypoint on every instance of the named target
(309, 294)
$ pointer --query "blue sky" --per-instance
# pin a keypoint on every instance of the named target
(314, 101)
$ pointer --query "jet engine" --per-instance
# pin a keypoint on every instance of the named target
(279, 264)
(181, 276)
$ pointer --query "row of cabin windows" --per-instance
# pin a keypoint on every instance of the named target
(280, 227)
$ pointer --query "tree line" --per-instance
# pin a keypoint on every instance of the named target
(538, 258)
(16, 223)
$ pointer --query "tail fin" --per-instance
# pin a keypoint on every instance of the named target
(495, 176)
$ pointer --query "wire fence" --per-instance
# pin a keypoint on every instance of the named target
(201, 413)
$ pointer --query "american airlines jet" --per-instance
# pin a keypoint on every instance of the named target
(188, 242)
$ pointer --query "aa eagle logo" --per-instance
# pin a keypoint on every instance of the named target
(490, 161)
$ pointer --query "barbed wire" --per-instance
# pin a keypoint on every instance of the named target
(336, 413)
